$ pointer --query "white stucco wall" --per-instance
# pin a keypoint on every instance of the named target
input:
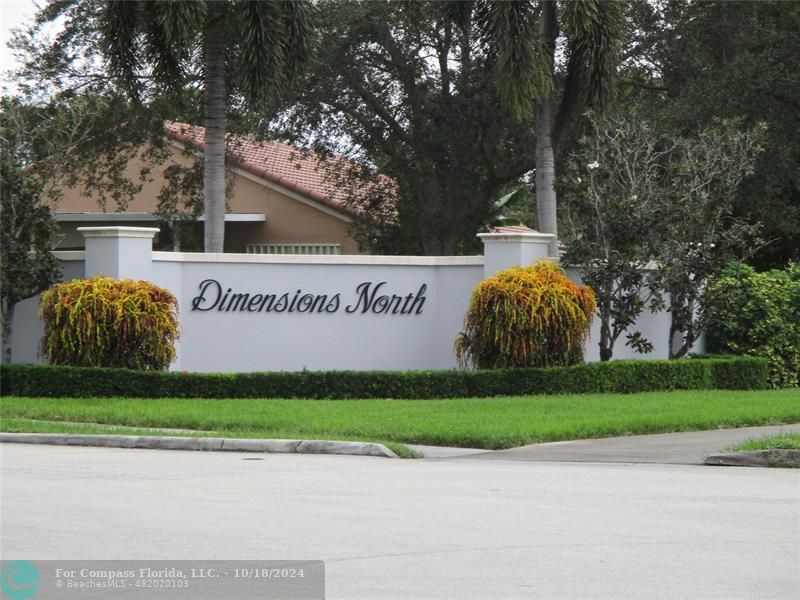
(28, 329)
(260, 340)
(653, 326)
(257, 340)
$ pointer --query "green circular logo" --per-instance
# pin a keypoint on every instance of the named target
(20, 579)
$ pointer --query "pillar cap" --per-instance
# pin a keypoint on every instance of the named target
(119, 232)
(525, 238)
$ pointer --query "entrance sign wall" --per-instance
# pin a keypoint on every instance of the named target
(253, 312)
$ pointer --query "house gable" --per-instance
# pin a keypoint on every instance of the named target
(292, 214)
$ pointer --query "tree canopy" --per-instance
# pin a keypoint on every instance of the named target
(407, 89)
(649, 217)
(250, 49)
(170, 55)
(690, 65)
(427, 92)
(526, 35)
(46, 147)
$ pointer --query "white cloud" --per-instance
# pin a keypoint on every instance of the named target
(13, 14)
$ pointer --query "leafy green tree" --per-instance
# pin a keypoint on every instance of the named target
(611, 192)
(47, 147)
(649, 217)
(406, 89)
(228, 53)
(757, 313)
(253, 48)
(62, 68)
(525, 35)
(699, 232)
(714, 60)
(26, 265)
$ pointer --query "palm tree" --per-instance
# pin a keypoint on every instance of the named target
(524, 34)
(248, 49)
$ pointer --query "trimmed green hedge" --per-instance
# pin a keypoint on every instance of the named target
(625, 376)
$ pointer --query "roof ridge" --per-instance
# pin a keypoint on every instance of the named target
(189, 134)
(232, 135)
(297, 169)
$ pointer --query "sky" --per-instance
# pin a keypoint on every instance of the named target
(13, 14)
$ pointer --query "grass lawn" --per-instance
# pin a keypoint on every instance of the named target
(469, 422)
(781, 441)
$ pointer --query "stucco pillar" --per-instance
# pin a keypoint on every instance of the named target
(119, 251)
(505, 250)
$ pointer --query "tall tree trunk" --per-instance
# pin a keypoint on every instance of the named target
(545, 154)
(606, 341)
(686, 331)
(546, 174)
(214, 155)
(7, 318)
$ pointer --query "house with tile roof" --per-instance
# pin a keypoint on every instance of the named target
(283, 200)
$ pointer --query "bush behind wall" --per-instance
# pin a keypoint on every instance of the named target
(624, 376)
(757, 314)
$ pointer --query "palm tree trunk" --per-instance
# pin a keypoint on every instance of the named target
(545, 154)
(546, 174)
(214, 155)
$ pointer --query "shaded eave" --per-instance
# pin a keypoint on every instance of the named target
(83, 217)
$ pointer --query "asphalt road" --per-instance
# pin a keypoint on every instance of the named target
(466, 528)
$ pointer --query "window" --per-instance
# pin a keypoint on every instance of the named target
(293, 249)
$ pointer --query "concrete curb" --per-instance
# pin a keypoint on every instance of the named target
(787, 459)
(207, 444)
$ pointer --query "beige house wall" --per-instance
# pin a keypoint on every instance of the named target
(289, 217)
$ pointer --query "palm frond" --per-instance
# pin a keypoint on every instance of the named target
(300, 23)
(119, 39)
(523, 60)
(595, 31)
(157, 34)
(457, 11)
(276, 40)
(165, 30)
(262, 50)
(179, 20)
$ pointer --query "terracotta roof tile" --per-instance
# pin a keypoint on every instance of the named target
(299, 170)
